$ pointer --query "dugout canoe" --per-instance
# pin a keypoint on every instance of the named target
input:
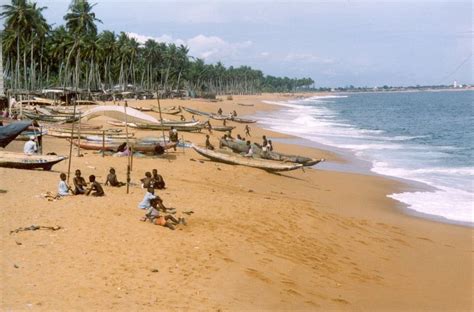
(236, 159)
(22, 161)
(243, 120)
(196, 112)
(50, 118)
(241, 147)
(167, 126)
(112, 146)
(173, 110)
(223, 128)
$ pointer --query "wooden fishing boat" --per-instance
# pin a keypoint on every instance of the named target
(142, 109)
(196, 112)
(242, 120)
(222, 128)
(86, 102)
(22, 161)
(83, 126)
(165, 126)
(25, 135)
(144, 140)
(173, 110)
(63, 133)
(50, 118)
(242, 104)
(241, 147)
(236, 159)
(112, 146)
(220, 117)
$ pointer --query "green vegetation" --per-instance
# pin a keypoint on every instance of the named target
(36, 56)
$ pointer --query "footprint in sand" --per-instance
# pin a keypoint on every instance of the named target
(256, 274)
(293, 292)
(340, 300)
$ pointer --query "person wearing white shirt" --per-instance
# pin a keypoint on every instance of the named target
(30, 147)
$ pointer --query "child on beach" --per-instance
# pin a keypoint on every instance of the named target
(95, 186)
(79, 183)
(147, 180)
(112, 179)
(209, 146)
(158, 181)
(149, 202)
(63, 188)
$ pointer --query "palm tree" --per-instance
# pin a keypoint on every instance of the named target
(80, 21)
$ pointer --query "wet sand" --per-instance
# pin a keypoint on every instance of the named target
(302, 240)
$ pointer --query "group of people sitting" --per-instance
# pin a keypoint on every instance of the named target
(80, 184)
(267, 145)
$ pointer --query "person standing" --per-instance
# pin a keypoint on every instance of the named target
(247, 130)
(173, 134)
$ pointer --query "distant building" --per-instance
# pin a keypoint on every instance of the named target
(455, 84)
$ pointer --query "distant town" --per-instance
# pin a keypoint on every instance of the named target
(455, 86)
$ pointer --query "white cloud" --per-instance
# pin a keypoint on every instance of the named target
(264, 54)
(307, 58)
(210, 48)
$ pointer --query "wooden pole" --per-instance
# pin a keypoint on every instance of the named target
(70, 142)
(128, 147)
(79, 136)
(161, 117)
(103, 143)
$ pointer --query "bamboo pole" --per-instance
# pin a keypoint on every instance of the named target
(79, 136)
(70, 142)
(128, 147)
(103, 143)
(161, 117)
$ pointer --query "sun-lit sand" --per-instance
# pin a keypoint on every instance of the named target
(301, 240)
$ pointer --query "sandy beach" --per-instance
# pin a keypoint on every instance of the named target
(312, 240)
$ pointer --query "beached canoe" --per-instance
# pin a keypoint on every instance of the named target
(142, 109)
(22, 161)
(196, 112)
(9, 132)
(222, 128)
(25, 135)
(242, 104)
(167, 126)
(173, 110)
(241, 147)
(112, 146)
(50, 118)
(236, 159)
(66, 133)
(243, 120)
(84, 126)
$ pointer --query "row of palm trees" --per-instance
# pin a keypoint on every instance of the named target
(75, 54)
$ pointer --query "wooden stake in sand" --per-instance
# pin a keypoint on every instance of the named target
(70, 142)
(128, 147)
(161, 118)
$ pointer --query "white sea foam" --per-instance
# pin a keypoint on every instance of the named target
(397, 156)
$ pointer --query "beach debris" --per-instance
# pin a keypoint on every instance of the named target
(50, 196)
(192, 159)
(190, 212)
(251, 191)
(35, 228)
(16, 266)
(3, 191)
(154, 270)
(18, 243)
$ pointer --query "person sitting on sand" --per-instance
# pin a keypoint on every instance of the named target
(158, 182)
(234, 114)
(224, 138)
(219, 111)
(209, 146)
(112, 179)
(240, 138)
(95, 186)
(30, 147)
(63, 188)
(159, 150)
(149, 202)
(147, 180)
(182, 118)
(79, 183)
(249, 150)
(123, 150)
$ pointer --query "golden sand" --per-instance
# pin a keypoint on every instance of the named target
(310, 240)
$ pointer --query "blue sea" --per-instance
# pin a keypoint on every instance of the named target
(425, 137)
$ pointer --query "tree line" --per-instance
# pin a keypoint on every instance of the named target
(36, 56)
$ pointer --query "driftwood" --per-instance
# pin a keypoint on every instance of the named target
(36, 227)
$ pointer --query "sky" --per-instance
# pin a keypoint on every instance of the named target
(336, 43)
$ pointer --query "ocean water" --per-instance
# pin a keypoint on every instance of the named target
(426, 137)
